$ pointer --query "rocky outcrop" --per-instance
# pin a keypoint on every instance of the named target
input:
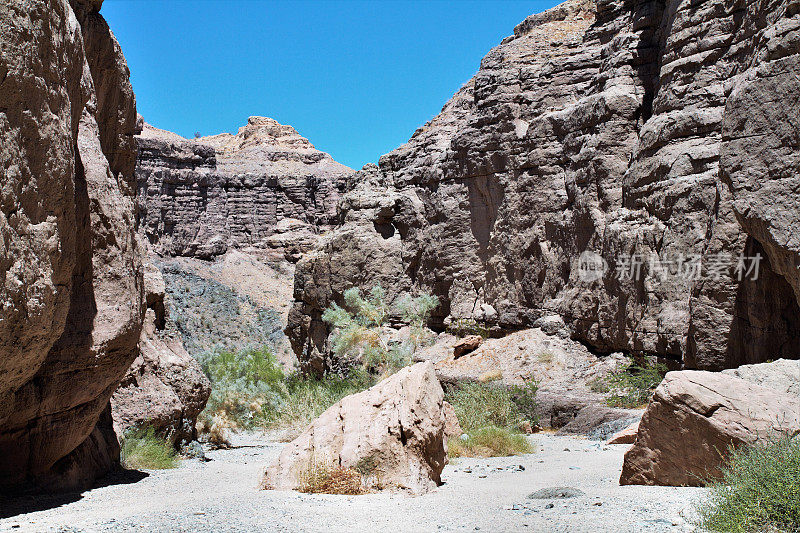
(782, 375)
(695, 418)
(265, 190)
(165, 388)
(391, 434)
(596, 158)
(71, 270)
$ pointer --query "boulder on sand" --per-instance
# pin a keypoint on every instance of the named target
(625, 436)
(693, 420)
(391, 434)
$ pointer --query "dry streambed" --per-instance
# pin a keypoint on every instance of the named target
(478, 494)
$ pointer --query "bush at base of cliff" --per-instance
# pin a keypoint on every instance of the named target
(491, 417)
(489, 441)
(632, 386)
(143, 449)
(250, 391)
(359, 329)
(759, 491)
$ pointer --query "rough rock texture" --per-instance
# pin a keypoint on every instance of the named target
(265, 190)
(233, 303)
(662, 129)
(466, 345)
(692, 421)
(625, 436)
(392, 433)
(782, 375)
(72, 297)
(452, 427)
(165, 388)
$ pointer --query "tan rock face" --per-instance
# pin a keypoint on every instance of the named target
(393, 433)
(692, 421)
(265, 190)
(623, 129)
(165, 388)
(72, 277)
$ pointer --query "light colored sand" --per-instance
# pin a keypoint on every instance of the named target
(478, 494)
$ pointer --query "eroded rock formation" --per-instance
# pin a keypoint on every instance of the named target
(694, 419)
(665, 132)
(165, 387)
(265, 190)
(72, 288)
(391, 434)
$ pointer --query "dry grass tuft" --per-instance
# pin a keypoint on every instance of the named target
(321, 477)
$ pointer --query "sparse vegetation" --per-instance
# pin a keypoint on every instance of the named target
(490, 441)
(250, 391)
(759, 490)
(142, 448)
(462, 327)
(491, 416)
(359, 335)
(632, 386)
(322, 477)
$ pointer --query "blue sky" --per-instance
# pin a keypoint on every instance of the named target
(356, 78)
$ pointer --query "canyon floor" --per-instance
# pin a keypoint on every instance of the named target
(478, 495)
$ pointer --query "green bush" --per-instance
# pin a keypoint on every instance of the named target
(489, 441)
(462, 327)
(143, 449)
(759, 490)
(358, 333)
(632, 386)
(244, 386)
(491, 417)
(249, 391)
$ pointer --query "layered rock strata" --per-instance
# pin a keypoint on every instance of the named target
(265, 190)
(614, 163)
(72, 286)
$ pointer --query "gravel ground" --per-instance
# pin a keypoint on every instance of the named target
(478, 494)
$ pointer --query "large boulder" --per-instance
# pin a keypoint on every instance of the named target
(165, 388)
(71, 270)
(782, 375)
(694, 419)
(393, 434)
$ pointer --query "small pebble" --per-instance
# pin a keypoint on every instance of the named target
(549, 506)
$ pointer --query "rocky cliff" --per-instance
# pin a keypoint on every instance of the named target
(265, 190)
(627, 165)
(72, 286)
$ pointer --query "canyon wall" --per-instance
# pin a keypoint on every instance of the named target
(265, 190)
(72, 282)
(625, 164)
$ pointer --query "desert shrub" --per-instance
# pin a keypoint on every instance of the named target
(479, 405)
(250, 391)
(462, 327)
(322, 477)
(307, 398)
(759, 490)
(142, 448)
(490, 417)
(524, 397)
(632, 386)
(358, 333)
(244, 387)
(489, 441)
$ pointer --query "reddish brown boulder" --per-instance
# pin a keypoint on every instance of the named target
(694, 419)
(466, 345)
(625, 436)
(452, 428)
(392, 434)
